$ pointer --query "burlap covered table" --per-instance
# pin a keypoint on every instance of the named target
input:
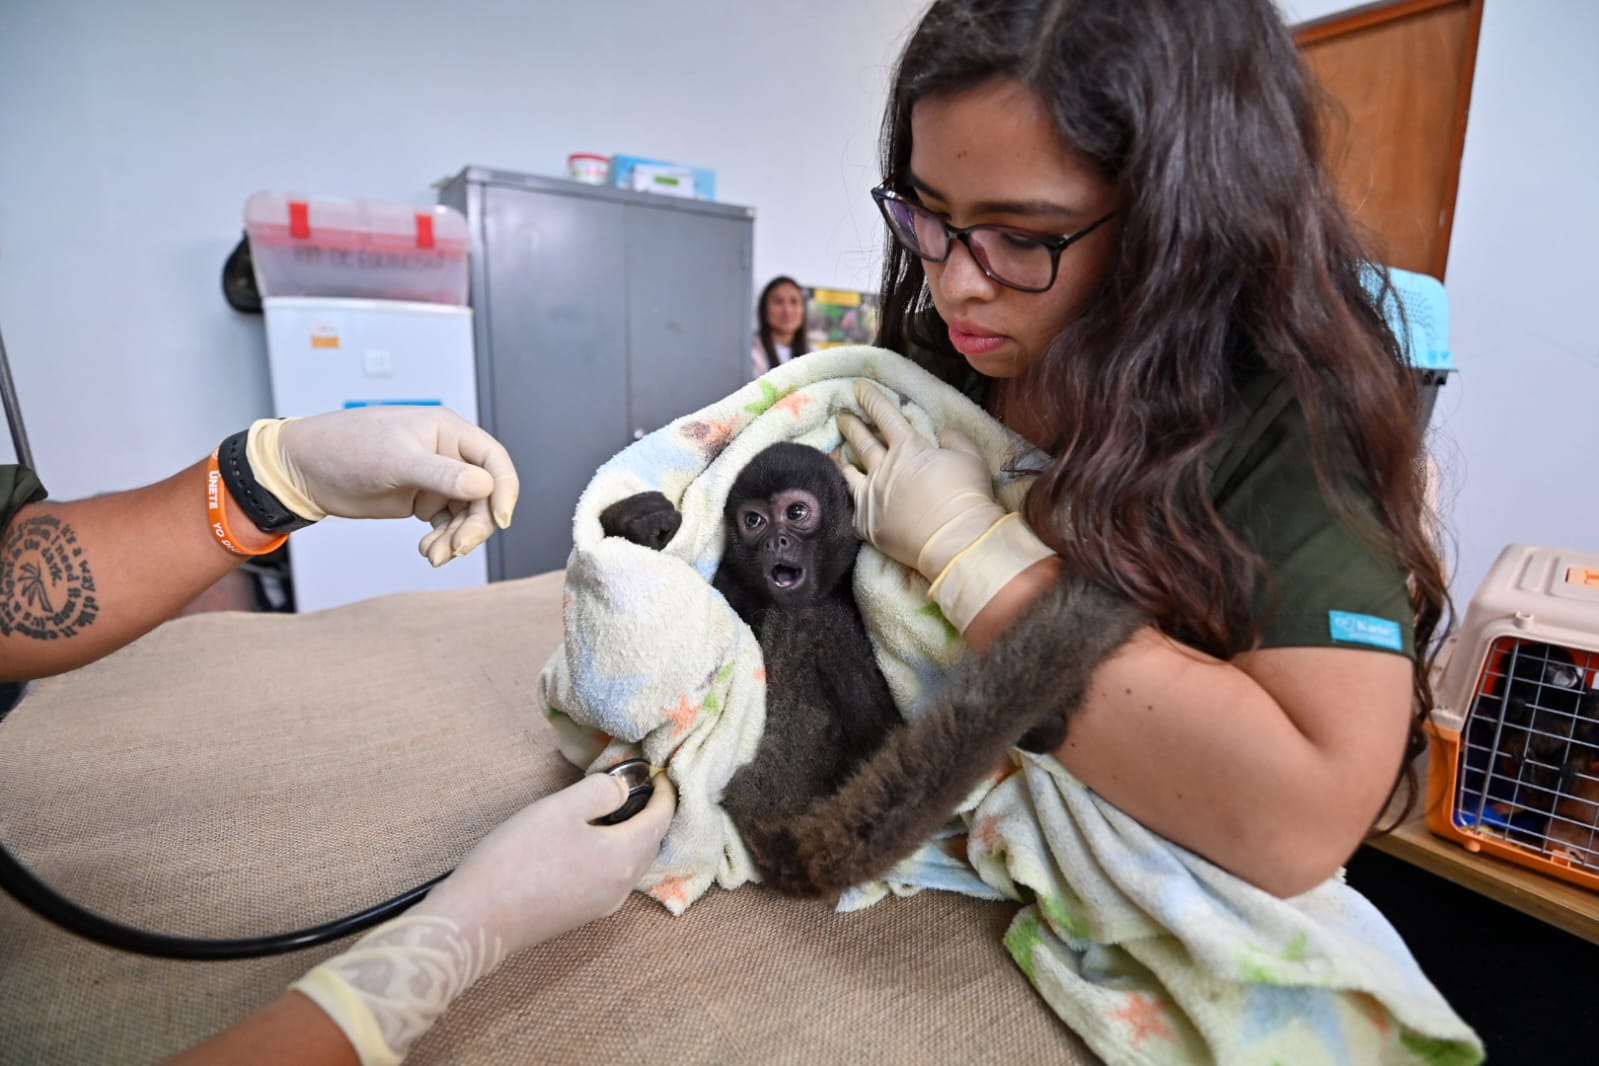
(238, 774)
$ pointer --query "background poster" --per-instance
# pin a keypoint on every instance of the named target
(835, 317)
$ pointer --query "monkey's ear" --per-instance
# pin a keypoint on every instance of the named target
(646, 518)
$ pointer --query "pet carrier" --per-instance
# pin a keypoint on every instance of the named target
(1514, 767)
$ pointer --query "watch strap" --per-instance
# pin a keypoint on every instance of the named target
(265, 510)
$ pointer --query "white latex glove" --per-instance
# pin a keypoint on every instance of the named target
(390, 462)
(540, 873)
(932, 507)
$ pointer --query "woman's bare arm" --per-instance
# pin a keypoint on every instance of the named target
(1273, 766)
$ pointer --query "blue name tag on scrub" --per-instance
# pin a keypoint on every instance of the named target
(1365, 629)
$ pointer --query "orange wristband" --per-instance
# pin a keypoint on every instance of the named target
(216, 504)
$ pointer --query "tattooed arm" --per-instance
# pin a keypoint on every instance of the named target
(79, 580)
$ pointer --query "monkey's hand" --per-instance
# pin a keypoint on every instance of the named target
(646, 518)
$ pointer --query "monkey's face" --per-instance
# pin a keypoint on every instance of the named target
(790, 526)
(779, 536)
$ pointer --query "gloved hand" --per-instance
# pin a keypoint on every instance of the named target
(540, 873)
(389, 462)
(932, 507)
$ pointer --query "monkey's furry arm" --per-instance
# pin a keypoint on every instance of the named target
(1028, 684)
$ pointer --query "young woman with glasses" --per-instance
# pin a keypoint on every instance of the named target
(1109, 224)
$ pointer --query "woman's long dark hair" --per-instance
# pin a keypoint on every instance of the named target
(763, 330)
(1233, 253)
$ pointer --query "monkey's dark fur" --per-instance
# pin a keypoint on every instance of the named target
(827, 705)
(841, 787)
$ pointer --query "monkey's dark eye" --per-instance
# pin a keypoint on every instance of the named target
(797, 512)
(753, 521)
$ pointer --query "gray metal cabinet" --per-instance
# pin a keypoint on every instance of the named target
(600, 315)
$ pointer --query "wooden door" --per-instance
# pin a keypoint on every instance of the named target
(1398, 76)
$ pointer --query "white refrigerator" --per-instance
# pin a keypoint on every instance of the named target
(326, 354)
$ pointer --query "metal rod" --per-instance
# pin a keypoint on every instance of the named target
(8, 395)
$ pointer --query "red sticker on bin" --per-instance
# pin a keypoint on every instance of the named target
(424, 230)
(299, 218)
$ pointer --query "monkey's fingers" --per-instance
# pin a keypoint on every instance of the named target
(884, 412)
(862, 441)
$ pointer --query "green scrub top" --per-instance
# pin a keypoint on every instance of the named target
(1327, 585)
(19, 486)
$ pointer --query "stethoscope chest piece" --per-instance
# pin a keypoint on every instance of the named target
(635, 774)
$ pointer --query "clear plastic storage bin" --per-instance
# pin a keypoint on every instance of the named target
(357, 248)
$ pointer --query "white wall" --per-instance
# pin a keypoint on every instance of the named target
(1523, 277)
(129, 141)
(1518, 428)
(131, 135)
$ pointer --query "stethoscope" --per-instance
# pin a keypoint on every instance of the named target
(20, 883)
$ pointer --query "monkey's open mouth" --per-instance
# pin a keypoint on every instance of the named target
(786, 577)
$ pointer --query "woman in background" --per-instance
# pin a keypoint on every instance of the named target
(780, 322)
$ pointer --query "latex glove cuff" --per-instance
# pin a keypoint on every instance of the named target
(274, 473)
(388, 988)
(984, 567)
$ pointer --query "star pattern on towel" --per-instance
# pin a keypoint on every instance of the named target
(682, 716)
(717, 682)
(792, 403)
(769, 397)
(1145, 1017)
(713, 434)
(672, 891)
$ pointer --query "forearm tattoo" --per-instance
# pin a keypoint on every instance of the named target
(46, 589)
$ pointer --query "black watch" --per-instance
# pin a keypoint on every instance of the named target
(260, 506)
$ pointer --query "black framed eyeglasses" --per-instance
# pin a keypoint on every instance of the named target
(1015, 258)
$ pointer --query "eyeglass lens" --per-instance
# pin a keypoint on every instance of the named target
(1008, 257)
